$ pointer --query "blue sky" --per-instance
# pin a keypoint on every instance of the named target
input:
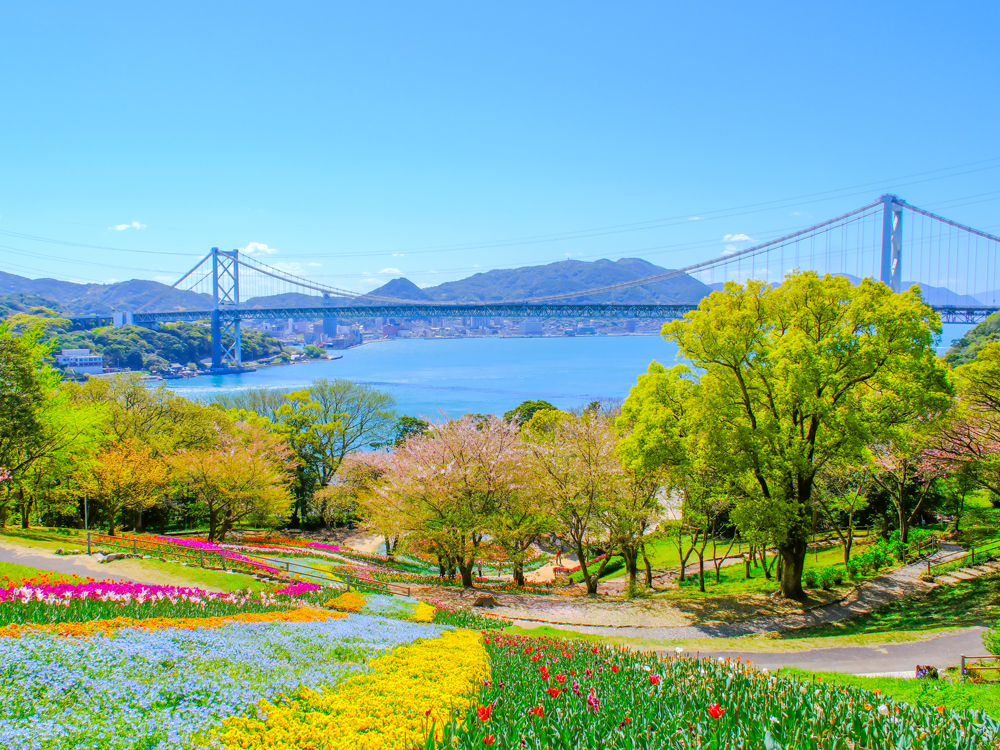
(351, 140)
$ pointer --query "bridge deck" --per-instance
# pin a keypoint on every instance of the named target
(948, 313)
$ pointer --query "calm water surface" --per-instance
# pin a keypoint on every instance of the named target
(483, 375)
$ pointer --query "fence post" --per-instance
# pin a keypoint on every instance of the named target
(88, 542)
(135, 546)
(928, 566)
(201, 558)
(961, 673)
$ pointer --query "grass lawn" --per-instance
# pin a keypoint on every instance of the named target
(45, 538)
(947, 692)
(12, 574)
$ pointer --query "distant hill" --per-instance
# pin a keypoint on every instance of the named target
(103, 299)
(932, 295)
(18, 293)
(558, 278)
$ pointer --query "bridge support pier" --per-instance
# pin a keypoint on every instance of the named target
(892, 242)
(225, 309)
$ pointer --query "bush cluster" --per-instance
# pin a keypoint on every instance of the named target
(825, 578)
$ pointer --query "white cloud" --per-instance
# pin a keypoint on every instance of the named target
(695, 218)
(258, 248)
(123, 227)
(390, 270)
(111, 281)
(730, 249)
(317, 265)
(137, 225)
(398, 255)
(737, 238)
(371, 282)
(476, 265)
(294, 268)
(164, 279)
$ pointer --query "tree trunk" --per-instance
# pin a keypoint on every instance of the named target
(793, 558)
(631, 555)
(904, 525)
(649, 568)
(763, 563)
(519, 573)
(466, 568)
(701, 570)
(388, 547)
(25, 509)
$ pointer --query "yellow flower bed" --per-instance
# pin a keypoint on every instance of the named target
(423, 612)
(391, 706)
(103, 627)
(349, 601)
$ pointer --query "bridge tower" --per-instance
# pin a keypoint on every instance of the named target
(892, 242)
(225, 309)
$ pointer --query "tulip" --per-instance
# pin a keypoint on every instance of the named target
(654, 679)
(716, 711)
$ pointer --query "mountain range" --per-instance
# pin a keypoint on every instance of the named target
(564, 277)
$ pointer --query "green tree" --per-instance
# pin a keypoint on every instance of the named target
(523, 412)
(793, 377)
(407, 427)
(327, 421)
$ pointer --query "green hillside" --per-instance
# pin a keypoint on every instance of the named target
(966, 348)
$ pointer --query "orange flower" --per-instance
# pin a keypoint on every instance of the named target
(940, 710)
(103, 627)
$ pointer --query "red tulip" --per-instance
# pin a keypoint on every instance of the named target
(554, 692)
(485, 712)
(544, 672)
(615, 668)
(654, 679)
(537, 711)
(489, 739)
(716, 711)
(560, 678)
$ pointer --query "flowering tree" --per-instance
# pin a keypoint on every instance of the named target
(455, 478)
(574, 469)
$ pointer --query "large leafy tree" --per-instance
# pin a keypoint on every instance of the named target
(125, 475)
(40, 427)
(244, 477)
(793, 377)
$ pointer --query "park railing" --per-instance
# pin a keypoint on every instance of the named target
(964, 558)
(975, 666)
(231, 561)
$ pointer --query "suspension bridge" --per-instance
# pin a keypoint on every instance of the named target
(955, 265)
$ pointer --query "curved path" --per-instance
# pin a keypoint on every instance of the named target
(942, 651)
(78, 565)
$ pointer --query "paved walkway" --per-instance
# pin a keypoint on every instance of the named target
(79, 565)
(942, 651)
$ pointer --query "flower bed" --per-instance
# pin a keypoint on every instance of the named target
(550, 694)
(403, 696)
(94, 600)
(162, 688)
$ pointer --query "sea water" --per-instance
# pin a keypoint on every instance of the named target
(484, 375)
